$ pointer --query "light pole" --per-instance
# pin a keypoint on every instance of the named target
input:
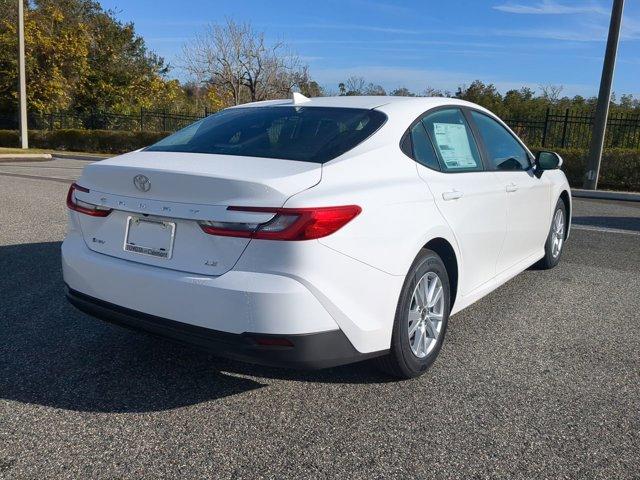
(604, 97)
(24, 139)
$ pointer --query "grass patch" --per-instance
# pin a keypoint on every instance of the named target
(20, 150)
(73, 140)
(4, 150)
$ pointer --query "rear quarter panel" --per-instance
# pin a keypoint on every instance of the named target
(399, 215)
(357, 273)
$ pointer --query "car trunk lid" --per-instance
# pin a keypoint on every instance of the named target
(155, 219)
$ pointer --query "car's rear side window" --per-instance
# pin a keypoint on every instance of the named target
(453, 140)
(311, 134)
(423, 151)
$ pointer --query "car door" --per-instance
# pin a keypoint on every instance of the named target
(528, 197)
(470, 198)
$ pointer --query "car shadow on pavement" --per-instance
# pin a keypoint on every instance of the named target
(53, 355)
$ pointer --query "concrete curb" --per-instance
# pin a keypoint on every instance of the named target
(25, 157)
(606, 195)
(81, 156)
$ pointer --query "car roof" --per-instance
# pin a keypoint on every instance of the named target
(355, 101)
(389, 104)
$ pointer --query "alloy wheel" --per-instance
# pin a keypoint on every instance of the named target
(425, 314)
(557, 233)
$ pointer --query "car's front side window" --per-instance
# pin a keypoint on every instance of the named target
(503, 150)
(453, 140)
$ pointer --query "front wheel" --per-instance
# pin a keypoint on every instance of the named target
(421, 318)
(555, 239)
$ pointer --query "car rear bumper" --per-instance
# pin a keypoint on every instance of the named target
(235, 302)
(224, 314)
(308, 351)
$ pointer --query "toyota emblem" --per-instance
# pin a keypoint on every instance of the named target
(142, 183)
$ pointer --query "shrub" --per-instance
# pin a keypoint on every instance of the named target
(9, 138)
(619, 170)
(97, 141)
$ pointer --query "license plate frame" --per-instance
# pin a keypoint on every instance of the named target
(161, 248)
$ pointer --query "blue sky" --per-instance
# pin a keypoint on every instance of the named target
(420, 43)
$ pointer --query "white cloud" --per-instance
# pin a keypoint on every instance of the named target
(416, 79)
(383, 7)
(309, 58)
(352, 27)
(171, 23)
(550, 7)
(401, 45)
(591, 33)
(167, 39)
(582, 32)
(630, 28)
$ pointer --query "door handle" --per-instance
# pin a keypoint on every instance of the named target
(512, 187)
(452, 195)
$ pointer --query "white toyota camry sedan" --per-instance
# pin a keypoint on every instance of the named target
(314, 232)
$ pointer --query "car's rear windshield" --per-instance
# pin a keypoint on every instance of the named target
(310, 134)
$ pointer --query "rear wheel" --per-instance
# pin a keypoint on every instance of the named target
(555, 240)
(421, 318)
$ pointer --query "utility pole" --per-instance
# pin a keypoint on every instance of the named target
(604, 97)
(24, 139)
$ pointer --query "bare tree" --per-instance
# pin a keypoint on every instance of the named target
(236, 60)
(435, 92)
(355, 85)
(551, 93)
(373, 89)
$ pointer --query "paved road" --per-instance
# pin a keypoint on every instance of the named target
(541, 379)
(58, 169)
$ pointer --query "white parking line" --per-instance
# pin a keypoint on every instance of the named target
(603, 229)
(39, 177)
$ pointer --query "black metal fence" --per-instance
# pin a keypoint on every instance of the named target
(553, 129)
(571, 129)
(142, 120)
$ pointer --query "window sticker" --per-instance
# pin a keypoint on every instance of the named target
(453, 143)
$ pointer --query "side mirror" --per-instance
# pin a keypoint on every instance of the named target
(547, 161)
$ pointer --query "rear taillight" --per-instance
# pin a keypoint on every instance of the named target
(83, 207)
(287, 223)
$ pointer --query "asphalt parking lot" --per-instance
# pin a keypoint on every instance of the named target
(541, 379)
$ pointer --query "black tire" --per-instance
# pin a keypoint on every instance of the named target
(549, 260)
(401, 362)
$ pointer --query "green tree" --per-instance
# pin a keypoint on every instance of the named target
(310, 88)
(402, 92)
(56, 55)
(79, 56)
(523, 103)
(121, 72)
(628, 102)
(483, 94)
